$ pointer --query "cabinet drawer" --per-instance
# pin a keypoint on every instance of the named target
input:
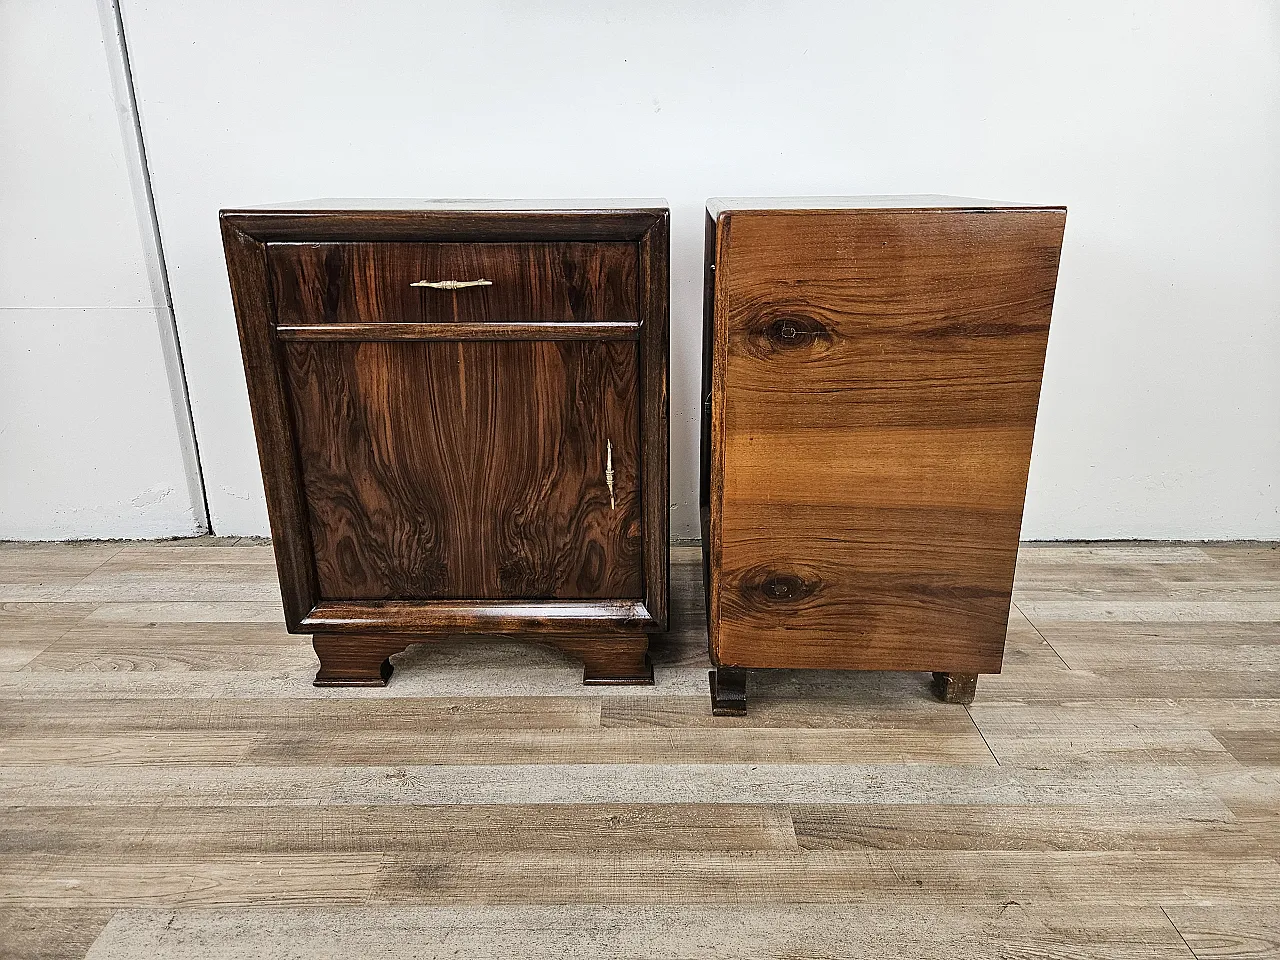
(573, 282)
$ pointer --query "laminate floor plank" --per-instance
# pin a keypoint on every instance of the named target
(1034, 554)
(112, 880)
(162, 556)
(500, 746)
(1036, 683)
(270, 719)
(49, 933)
(772, 711)
(205, 749)
(93, 648)
(633, 745)
(1018, 827)
(934, 876)
(46, 571)
(863, 931)
(201, 832)
(1109, 785)
(118, 582)
(1150, 610)
(1039, 734)
(1228, 931)
(28, 629)
(186, 610)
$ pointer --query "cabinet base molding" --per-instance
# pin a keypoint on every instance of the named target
(363, 660)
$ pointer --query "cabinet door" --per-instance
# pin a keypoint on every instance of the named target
(459, 470)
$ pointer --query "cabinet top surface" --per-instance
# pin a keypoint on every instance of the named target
(330, 204)
(921, 201)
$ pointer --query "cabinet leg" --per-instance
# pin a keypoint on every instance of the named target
(609, 661)
(955, 687)
(355, 660)
(728, 692)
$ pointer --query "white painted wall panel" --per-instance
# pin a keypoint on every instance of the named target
(90, 446)
(89, 449)
(1156, 121)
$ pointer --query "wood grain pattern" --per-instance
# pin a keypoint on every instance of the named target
(1123, 802)
(436, 470)
(874, 374)
(317, 283)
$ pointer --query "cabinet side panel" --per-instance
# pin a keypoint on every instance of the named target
(470, 470)
(286, 507)
(881, 376)
(704, 409)
(655, 338)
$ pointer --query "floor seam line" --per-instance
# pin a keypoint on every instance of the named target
(1165, 913)
(1061, 659)
(969, 713)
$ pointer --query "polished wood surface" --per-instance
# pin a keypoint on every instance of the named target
(458, 221)
(429, 455)
(478, 470)
(318, 283)
(171, 786)
(873, 374)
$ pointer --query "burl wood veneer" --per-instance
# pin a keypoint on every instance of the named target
(872, 368)
(461, 413)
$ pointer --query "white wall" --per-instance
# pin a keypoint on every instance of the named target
(1157, 122)
(91, 431)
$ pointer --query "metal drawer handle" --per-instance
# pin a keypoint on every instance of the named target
(608, 475)
(451, 284)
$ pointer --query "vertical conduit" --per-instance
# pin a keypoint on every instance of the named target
(117, 52)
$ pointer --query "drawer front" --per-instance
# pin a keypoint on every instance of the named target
(571, 282)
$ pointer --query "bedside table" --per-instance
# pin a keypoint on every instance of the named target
(871, 374)
(461, 416)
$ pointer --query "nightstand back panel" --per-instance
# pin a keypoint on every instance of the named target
(873, 406)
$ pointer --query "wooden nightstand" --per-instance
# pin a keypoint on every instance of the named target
(871, 374)
(461, 414)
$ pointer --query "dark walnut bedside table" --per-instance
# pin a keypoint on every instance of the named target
(461, 415)
(871, 374)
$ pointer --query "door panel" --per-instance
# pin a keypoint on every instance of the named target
(469, 470)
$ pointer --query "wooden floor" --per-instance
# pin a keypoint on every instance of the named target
(171, 785)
